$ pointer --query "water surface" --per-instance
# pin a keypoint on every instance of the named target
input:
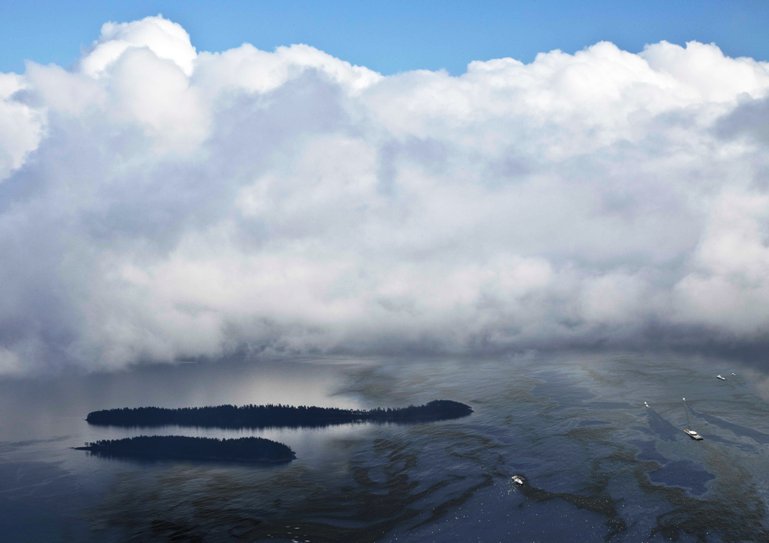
(599, 465)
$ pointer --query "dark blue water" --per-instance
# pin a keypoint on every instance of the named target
(599, 465)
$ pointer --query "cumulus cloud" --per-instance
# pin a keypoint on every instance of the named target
(158, 203)
(20, 126)
(165, 39)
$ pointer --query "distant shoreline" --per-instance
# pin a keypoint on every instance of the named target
(252, 450)
(274, 416)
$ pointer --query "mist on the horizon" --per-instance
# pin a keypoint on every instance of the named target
(159, 202)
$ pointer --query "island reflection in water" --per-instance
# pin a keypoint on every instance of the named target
(595, 459)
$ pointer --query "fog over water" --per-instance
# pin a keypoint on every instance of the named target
(160, 203)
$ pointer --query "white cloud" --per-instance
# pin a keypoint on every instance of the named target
(166, 39)
(21, 127)
(159, 203)
(728, 286)
(693, 68)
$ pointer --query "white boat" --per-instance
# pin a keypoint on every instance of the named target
(646, 404)
(518, 479)
(693, 434)
(719, 376)
(688, 430)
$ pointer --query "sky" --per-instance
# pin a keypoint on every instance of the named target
(392, 36)
(163, 199)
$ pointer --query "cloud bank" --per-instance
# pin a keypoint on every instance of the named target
(160, 203)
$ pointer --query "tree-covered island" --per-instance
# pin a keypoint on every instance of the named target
(242, 450)
(271, 416)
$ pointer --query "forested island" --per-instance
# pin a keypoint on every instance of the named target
(272, 416)
(246, 449)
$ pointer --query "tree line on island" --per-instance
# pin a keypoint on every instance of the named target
(247, 449)
(271, 416)
(201, 449)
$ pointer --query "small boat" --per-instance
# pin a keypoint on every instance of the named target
(646, 404)
(518, 479)
(693, 434)
(688, 430)
(721, 377)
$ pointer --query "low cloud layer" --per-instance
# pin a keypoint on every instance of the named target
(160, 203)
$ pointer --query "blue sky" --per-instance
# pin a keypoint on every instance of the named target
(393, 36)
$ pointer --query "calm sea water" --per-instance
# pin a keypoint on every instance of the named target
(599, 465)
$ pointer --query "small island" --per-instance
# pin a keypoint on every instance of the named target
(274, 416)
(252, 450)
